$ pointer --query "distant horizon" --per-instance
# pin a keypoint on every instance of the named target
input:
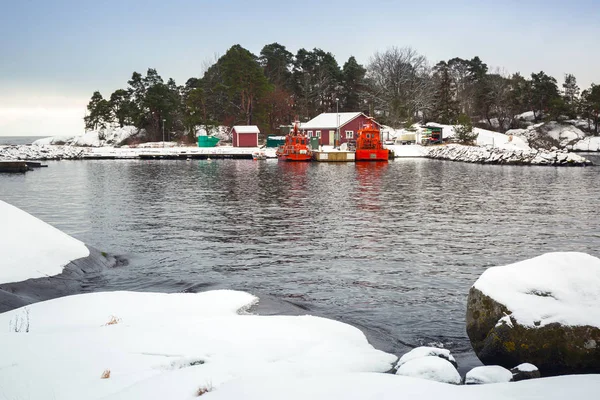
(57, 54)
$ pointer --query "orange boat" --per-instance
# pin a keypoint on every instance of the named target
(368, 144)
(296, 147)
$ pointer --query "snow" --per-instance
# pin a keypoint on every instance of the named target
(167, 346)
(425, 351)
(432, 368)
(488, 374)
(370, 386)
(412, 150)
(329, 120)
(246, 129)
(526, 116)
(113, 135)
(588, 144)
(526, 367)
(33, 249)
(554, 287)
(486, 137)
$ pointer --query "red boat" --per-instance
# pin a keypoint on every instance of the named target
(368, 144)
(296, 147)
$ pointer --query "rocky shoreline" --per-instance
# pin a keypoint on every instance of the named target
(494, 155)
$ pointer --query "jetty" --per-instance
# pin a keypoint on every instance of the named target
(19, 166)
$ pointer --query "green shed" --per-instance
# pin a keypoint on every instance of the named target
(275, 141)
(207, 141)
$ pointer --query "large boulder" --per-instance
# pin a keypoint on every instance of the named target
(542, 311)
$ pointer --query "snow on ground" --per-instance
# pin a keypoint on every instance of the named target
(488, 374)
(221, 132)
(554, 287)
(96, 138)
(33, 249)
(369, 386)
(401, 151)
(486, 137)
(432, 368)
(562, 134)
(588, 144)
(168, 346)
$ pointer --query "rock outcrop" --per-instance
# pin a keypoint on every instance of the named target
(495, 155)
(41, 152)
(541, 311)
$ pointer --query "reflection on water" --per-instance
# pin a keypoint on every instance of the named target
(390, 247)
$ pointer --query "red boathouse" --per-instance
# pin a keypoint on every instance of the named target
(245, 136)
(326, 125)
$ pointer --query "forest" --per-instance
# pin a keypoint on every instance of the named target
(398, 87)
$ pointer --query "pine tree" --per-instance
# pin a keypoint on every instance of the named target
(464, 130)
(590, 107)
(353, 77)
(446, 106)
(99, 112)
(570, 94)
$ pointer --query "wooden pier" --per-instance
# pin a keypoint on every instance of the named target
(334, 156)
(19, 166)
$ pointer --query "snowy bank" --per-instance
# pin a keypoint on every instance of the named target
(495, 155)
(33, 249)
(168, 346)
(39, 262)
(110, 136)
(542, 311)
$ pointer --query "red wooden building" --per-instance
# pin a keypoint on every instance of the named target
(245, 136)
(325, 126)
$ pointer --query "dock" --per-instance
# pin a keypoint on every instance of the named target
(334, 156)
(19, 166)
(13, 166)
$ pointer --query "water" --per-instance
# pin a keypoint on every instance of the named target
(390, 248)
(18, 140)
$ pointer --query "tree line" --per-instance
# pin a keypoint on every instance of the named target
(398, 86)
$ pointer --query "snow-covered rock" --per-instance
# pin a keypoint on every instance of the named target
(41, 152)
(169, 346)
(587, 144)
(496, 155)
(525, 371)
(110, 136)
(222, 132)
(549, 134)
(30, 248)
(432, 368)
(488, 374)
(425, 351)
(552, 302)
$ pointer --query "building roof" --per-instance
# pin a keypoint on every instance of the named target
(329, 120)
(246, 129)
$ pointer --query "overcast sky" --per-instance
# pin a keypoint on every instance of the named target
(56, 53)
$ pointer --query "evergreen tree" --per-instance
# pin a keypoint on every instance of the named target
(446, 107)
(122, 107)
(570, 94)
(244, 81)
(353, 82)
(99, 112)
(277, 64)
(464, 130)
(590, 107)
(544, 92)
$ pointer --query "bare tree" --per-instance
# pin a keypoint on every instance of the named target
(400, 84)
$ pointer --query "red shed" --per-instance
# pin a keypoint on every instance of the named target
(245, 135)
(325, 126)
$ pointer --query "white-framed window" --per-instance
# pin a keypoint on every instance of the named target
(349, 134)
(309, 133)
(318, 134)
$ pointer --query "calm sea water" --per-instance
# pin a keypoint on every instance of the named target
(391, 248)
(18, 140)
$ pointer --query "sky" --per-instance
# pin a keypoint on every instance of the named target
(56, 53)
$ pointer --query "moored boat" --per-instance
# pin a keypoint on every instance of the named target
(368, 144)
(296, 147)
